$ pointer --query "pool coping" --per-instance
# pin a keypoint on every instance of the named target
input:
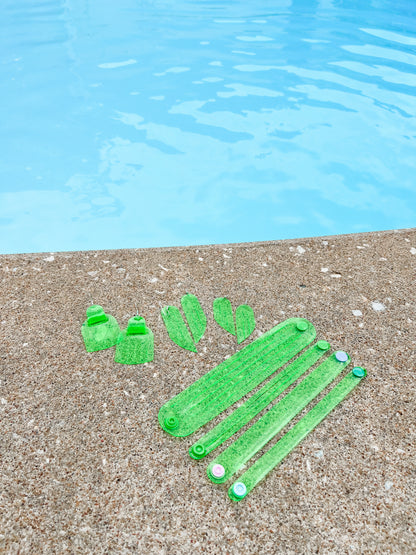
(86, 465)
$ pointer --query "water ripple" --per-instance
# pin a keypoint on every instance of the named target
(204, 121)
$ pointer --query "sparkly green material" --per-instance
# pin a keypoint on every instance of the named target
(293, 437)
(100, 330)
(176, 328)
(235, 377)
(135, 344)
(245, 322)
(197, 321)
(223, 314)
(257, 402)
(260, 433)
(244, 318)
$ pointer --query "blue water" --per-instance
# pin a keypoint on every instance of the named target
(158, 123)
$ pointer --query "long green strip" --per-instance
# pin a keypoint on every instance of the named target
(257, 402)
(270, 357)
(223, 314)
(244, 321)
(209, 382)
(225, 396)
(256, 437)
(176, 328)
(235, 377)
(195, 316)
(293, 437)
(229, 372)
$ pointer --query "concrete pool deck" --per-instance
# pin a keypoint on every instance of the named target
(85, 466)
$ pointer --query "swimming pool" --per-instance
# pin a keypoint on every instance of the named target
(156, 123)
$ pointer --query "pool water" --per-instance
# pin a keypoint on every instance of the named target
(155, 123)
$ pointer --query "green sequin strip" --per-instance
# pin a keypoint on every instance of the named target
(274, 456)
(235, 377)
(256, 437)
(257, 402)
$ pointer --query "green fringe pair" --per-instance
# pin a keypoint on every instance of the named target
(241, 324)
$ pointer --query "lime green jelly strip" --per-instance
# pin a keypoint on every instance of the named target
(293, 437)
(268, 360)
(177, 329)
(257, 402)
(201, 390)
(256, 437)
(235, 377)
(245, 322)
(223, 314)
(195, 316)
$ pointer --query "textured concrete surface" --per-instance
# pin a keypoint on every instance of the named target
(85, 467)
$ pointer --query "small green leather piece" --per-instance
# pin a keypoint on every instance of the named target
(197, 321)
(260, 433)
(235, 377)
(293, 437)
(223, 314)
(177, 329)
(245, 322)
